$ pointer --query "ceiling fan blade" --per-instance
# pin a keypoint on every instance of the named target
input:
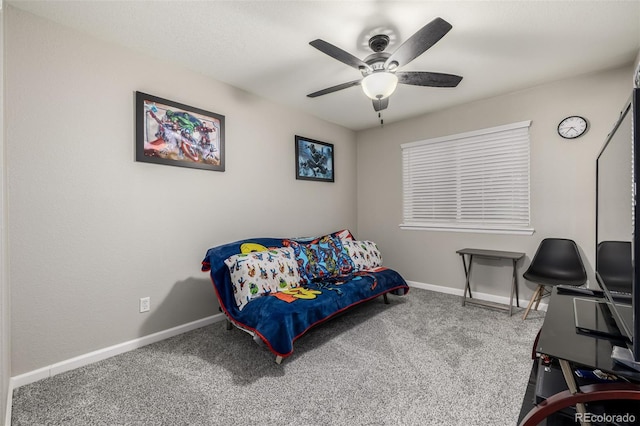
(432, 79)
(339, 54)
(418, 43)
(334, 88)
(380, 104)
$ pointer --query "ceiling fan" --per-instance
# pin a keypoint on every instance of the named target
(380, 74)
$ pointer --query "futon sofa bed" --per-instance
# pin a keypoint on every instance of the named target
(276, 289)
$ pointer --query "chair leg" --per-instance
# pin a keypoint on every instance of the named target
(540, 296)
(535, 297)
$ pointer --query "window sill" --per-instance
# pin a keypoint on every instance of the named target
(470, 228)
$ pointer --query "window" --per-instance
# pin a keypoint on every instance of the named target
(476, 181)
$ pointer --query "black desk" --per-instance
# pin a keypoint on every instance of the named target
(558, 339)
(490, 254)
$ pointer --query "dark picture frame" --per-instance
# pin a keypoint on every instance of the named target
(176, 134)
(314, 160)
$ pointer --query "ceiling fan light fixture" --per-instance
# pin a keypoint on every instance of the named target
(379, 85)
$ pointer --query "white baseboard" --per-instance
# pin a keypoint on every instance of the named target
(476, 295)
(95, 356)
(7, 414)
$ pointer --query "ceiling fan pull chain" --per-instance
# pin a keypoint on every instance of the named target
(381, 120)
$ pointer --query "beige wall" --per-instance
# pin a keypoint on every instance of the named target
(91, 231)
(562, 179)
(5, 307)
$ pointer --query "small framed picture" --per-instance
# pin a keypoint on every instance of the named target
(175, 134)
(314, 160)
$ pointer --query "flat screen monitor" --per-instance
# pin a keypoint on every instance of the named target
(617, 228)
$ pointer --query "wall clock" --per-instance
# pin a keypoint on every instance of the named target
(572, 127)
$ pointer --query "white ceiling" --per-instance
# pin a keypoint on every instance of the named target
(262, 46)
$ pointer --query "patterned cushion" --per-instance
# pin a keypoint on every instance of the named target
(364, 254)
(259, 273)
(321, 258)
(344, 234)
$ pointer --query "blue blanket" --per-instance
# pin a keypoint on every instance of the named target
(279, 320)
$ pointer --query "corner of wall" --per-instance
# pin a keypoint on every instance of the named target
(5, 329)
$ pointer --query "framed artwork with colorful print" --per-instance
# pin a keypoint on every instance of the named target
(314, 160)
(175, 134)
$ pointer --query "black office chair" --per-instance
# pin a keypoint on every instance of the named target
(613, 263)
(557, 261)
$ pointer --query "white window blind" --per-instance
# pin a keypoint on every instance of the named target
(475, 181)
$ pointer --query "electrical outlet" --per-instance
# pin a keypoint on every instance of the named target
(145, 304)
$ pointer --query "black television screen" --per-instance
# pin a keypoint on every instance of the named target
(617, 228)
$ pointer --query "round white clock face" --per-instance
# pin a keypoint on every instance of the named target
(572, 127)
